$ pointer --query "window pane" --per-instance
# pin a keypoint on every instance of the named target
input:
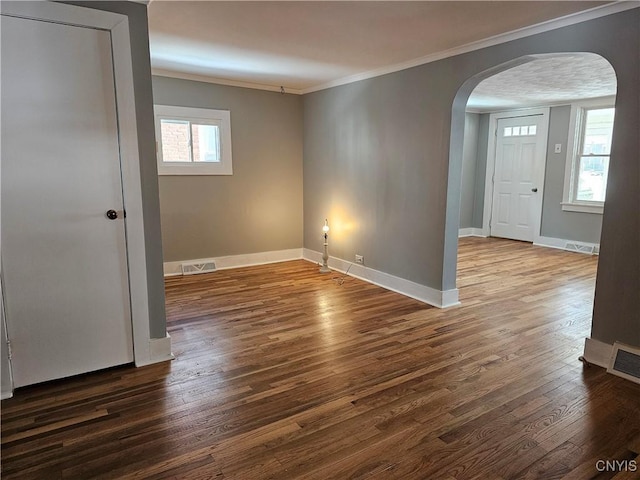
(532, 129)
(597, 132)
(592, 178)
(516, 131)
(175, 140)
(206, 143)
(507, 131)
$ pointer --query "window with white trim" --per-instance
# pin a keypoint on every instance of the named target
(588, 158)
(193, 141)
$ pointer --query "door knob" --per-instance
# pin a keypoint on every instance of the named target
(112, 214)
(534, 189)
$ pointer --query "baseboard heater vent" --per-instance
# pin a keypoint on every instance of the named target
(625, 362)
(193, 268)
(582, 248)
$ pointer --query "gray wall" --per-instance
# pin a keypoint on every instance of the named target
(481, 170)
(584, 227)
(139, 31)
(259, 207)
(370, 167)
(469, 160)
(474, 167)
(383, 160)
(616, 313)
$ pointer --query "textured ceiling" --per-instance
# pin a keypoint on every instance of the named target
(308, 45)
(547, 80)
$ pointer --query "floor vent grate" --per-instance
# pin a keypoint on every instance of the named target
(195, 268)
(625, 362)
(581, 247)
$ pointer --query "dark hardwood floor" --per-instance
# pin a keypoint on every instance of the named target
(284, 373)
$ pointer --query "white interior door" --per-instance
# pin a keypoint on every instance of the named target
(64, 262)
(518, 178)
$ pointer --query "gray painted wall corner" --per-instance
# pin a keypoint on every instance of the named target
(481, 171)
(469, 161)
(259, 207)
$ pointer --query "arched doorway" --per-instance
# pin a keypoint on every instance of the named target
(563, 86)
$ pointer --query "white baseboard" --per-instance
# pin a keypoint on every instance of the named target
(6, 394)
(471, 232)
(562, 244)
(159, 351)
(431, 296)
(437, 298)
(597, 352)
(236, 261)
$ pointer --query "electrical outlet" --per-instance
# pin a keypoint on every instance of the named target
(360, 259)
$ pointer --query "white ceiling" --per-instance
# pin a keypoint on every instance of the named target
(306, 46)
(547, 80)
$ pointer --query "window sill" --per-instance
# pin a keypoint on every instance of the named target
(195, 169)
(582, 207)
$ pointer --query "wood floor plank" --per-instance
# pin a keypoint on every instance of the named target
(284, 373)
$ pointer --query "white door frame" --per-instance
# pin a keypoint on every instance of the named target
(145, 349)
(491, 164)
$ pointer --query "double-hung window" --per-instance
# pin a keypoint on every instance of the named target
(193, 141)
(588, 158)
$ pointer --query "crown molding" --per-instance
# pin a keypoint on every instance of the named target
(549, 25)
(160, 72)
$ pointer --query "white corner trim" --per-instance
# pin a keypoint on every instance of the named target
(597, 352)
(236, 261)
(6, 394)
(471, 232)
(159, 351)
(450, 298)
(561, 244)
(132, 190)
(428, 295)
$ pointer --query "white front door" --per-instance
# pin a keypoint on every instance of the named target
(64, 261)
(518, 178)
